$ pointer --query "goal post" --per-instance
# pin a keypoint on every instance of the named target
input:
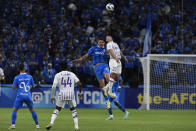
(169, 81)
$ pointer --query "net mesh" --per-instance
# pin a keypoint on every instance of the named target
(172, 82)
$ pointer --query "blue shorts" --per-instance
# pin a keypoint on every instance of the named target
(23, 98)
(117, 99)
(100, 70)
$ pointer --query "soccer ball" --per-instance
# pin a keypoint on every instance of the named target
(110, 7)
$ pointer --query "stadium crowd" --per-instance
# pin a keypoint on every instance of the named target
(41, 33)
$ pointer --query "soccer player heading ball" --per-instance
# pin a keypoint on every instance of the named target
(114, 64)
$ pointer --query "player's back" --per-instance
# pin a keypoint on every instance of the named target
(66, 82)
(23, 82)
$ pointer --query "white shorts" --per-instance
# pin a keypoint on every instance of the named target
(61, 103)
(115, 67)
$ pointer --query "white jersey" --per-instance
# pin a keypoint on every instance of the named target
(66, 81)
(114, 46)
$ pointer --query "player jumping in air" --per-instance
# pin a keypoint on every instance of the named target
(100, 61)
(23, 83)
(114, 63)
(116, 89)
(66, 81)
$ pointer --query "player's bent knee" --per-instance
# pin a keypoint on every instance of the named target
(107, 77)
(72, 108)
(56, 111)
(58, 108)
(101, 83)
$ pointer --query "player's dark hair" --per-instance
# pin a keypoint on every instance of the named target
(101, 38)
(63, 65)
(21, 67)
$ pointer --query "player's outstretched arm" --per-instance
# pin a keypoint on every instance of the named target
(83, 58)
(80, 89)
(124, 57)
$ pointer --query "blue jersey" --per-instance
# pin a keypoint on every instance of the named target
(98, 54)
(23, 82)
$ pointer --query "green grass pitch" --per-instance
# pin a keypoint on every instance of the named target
(94, 120)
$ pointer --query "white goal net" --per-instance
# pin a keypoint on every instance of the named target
(169, 81)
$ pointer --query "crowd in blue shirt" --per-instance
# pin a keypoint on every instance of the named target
(41, 33)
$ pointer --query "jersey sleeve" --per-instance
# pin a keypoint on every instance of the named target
(32, 82)
(90, 51)
(75, 78)
(15, 83)
(55, 82)
(109, 46)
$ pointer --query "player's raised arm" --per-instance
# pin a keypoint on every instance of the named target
(124, 57)
(55, 83)
(83, 58)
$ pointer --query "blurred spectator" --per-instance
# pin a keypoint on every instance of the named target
(48, 74)
(48, 32)
(172, 74)
(189, 76)
(33, 63)
(37, 77)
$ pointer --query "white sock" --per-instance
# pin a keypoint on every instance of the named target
(54, 116)
(110, 84)
(75, 118)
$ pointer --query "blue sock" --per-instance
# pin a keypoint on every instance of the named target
(110, 111)
(122, 108)
(34, 115)
(14, 115)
